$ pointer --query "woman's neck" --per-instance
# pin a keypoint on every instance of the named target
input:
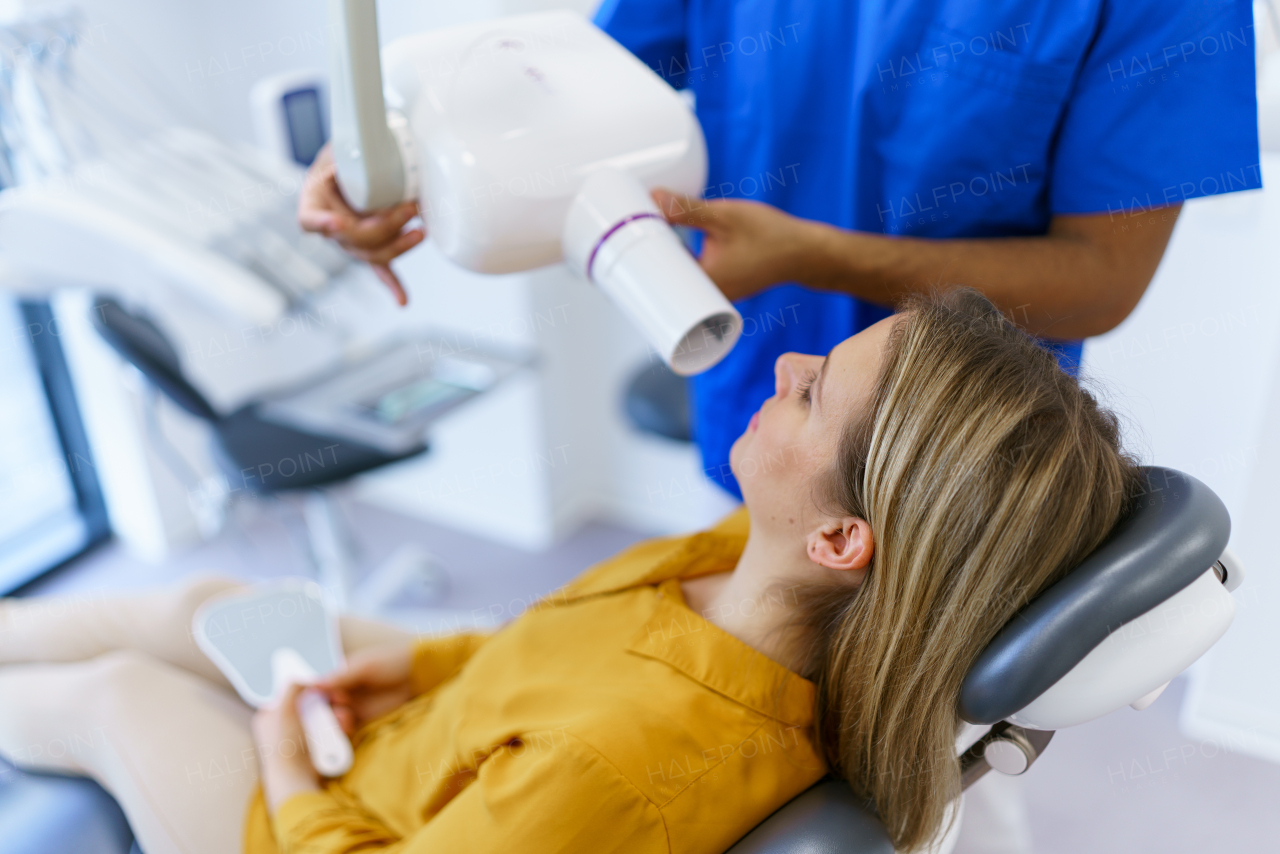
(756, 601)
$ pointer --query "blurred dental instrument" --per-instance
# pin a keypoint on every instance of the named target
(82, 149)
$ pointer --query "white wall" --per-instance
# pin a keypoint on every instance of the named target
(205, 56)
(1196, 372)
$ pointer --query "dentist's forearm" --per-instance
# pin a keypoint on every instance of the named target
(1082, 278)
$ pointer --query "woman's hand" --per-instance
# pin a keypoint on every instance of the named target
(375, 681)
(282, 750)
(374, 238)
(747, 246)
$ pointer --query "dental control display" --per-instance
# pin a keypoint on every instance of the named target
(388, 399)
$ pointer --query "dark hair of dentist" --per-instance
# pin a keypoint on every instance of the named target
(905, 495)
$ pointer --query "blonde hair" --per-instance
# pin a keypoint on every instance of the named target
(985, 473)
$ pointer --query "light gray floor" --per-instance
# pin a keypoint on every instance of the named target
(265, 539)
(1129, 782)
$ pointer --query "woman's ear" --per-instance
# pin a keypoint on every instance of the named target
(846, 545)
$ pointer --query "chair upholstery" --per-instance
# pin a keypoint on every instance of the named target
(252, 451)
(657, 402)
(146, 347)
(263, 456)
(52, 814)
(1174, 534)
(826, 819)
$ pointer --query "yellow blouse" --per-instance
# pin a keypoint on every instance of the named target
(609, 717)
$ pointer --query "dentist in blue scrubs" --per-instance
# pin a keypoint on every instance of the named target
(863, 149)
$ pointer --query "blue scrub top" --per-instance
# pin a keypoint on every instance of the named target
(941, 118)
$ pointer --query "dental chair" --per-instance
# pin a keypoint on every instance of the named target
(1114, 632)
(1148, 602)
(246, 441)
(249, 448)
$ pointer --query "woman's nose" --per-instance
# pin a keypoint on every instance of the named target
(791, 368)
(785, 371)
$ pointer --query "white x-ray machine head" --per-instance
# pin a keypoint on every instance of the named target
(531, 140)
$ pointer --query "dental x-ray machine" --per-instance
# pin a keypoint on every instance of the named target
(527, 141)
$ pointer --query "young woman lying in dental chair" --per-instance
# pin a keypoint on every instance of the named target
(904, 497)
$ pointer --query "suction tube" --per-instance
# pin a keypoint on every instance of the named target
(615, 236)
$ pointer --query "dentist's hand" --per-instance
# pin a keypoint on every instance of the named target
(375, 681)
(747, 246)
(375, 238)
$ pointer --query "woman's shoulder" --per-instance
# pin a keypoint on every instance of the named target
(656, 559)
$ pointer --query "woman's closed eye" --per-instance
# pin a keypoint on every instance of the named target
(805, 387)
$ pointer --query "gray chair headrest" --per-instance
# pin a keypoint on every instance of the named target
(826, 819)
(1176, 531)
